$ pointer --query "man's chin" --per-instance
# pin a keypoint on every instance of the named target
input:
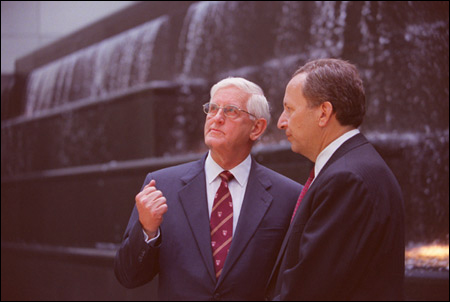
(213, 142)
(295, 149)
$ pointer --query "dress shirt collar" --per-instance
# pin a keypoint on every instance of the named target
(326, 153)
(240, 172)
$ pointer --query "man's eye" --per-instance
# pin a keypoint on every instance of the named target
(230, 110)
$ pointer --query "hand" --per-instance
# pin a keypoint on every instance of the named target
(151, 205)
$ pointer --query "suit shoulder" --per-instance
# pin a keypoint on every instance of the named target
(174, 171)
(368, 164)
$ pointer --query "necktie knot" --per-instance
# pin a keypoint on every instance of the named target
(226, 176)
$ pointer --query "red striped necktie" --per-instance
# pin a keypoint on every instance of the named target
(221, 223)
(303, 193)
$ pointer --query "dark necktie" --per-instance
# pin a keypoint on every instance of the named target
(303, 193)
(221, 223)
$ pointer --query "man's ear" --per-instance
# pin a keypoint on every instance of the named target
(258, 129)
(326, 111)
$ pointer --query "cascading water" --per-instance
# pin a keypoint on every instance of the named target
(112, 65)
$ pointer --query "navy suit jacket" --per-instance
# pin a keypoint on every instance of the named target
(183, 257)
(346, 241)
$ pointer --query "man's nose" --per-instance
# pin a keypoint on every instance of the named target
(282, 122)
(220, 116)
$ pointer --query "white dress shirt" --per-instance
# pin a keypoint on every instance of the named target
(237, 185)
(326, 153)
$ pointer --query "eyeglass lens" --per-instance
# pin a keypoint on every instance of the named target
(229, 110)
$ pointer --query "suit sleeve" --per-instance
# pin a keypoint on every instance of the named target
(136, 262)
(335, 242)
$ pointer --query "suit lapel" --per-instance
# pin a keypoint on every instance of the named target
(256, 202)
(194, 202)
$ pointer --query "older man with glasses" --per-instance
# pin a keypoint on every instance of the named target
(225, 216)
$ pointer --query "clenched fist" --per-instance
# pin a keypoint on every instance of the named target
(151, 205)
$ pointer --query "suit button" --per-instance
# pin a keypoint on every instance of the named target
(141, 256)
(216, 297)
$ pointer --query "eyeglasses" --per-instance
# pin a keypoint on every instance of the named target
(230, 111)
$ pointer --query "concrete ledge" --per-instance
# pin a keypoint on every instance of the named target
(32, 272)
(427, 285)
(148, 164)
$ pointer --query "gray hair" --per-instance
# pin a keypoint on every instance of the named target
(256, 104)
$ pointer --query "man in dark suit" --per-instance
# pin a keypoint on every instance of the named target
(225, 216)
(346, 238)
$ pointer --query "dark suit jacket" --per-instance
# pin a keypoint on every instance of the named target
(346, 241)
(184, 259)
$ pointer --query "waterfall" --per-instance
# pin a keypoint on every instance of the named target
(114, 64)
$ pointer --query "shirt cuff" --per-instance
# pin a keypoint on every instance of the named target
(151, 241)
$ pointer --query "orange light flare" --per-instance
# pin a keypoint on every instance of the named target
(433, 256)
